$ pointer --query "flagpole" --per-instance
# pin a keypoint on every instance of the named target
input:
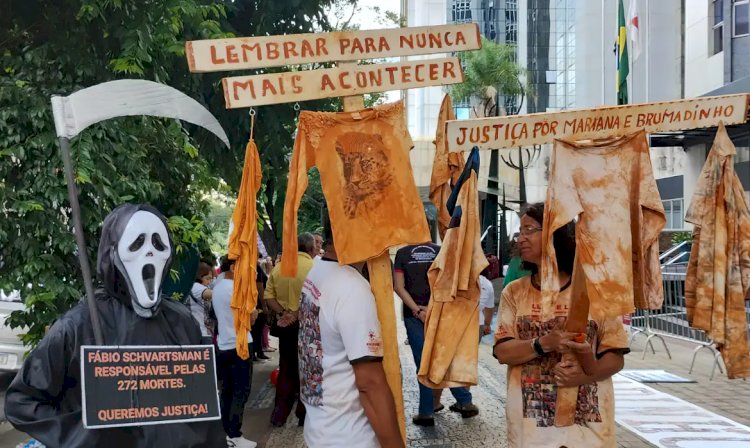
(647, 37)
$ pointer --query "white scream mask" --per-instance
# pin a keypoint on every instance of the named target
(143, 252)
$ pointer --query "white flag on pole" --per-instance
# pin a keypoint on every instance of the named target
(634, 29)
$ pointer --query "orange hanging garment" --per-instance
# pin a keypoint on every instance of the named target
(446, 167)
(449, 356)
(243, 247)
(609, 185)
(718, 273)
(367, 180)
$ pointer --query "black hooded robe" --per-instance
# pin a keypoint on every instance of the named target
(44, 399)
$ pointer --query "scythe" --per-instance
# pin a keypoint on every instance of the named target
(126, 97)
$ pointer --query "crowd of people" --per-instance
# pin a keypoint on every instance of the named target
(330, 346)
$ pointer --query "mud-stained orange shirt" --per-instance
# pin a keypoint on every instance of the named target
(367, 180)
(449, 356)
(719, 269)
(609, 185)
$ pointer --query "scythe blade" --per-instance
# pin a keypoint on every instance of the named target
(127, 97)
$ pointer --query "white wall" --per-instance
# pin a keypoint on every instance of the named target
(654, 75)
(423, 105)
(703, 73)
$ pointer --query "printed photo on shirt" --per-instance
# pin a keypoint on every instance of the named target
(310, 347)
(538, 388)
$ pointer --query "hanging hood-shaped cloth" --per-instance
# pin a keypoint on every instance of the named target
(449, 357)
(718, 273)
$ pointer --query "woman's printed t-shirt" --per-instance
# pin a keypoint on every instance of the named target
(338, 326)
(611, 185)
(532, 392)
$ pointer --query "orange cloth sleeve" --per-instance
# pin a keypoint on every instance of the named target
(296, 186)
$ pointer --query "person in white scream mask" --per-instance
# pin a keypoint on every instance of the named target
(44, 399)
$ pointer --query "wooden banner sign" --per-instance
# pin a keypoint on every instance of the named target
(601, 122)
(346, 80)
(277, 51)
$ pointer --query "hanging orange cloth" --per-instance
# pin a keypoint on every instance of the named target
(718, 273)
(451, 346)
(446, 167)
(610, 186)
(367, 180)
(243, 247)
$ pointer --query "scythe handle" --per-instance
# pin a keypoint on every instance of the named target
(80, 240)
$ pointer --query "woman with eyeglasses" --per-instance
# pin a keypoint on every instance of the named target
(531, 340)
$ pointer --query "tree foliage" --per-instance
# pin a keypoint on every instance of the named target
(488, 71)
(59, 47)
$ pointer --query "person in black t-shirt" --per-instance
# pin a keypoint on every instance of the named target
(412, 286)
(257, 329)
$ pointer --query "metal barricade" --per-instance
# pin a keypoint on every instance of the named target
(671, 321)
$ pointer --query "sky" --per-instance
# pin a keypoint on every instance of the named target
(366, 19)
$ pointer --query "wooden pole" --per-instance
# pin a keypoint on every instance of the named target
(578, 319)
(381, 283)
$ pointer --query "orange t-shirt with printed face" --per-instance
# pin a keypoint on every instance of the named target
(367, 180)
(609, 185)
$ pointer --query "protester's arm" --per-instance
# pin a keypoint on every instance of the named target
(270, 293)
(377, 401)
(570, 374)
(488, 312)
(355, 317)
(512, 351)
(399, 285)
(207, 294)
(608, 359)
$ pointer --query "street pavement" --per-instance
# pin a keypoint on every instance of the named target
(728, 399)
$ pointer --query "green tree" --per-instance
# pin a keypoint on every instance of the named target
(59, 48)
(488, 72)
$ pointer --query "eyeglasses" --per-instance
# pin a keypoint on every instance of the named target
(527, 231)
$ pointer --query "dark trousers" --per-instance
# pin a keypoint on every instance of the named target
(234, 375)
(257, 332)
(287, 385)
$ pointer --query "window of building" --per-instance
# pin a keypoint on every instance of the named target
(461, 11)
(741, 18)
(674, 211)
(716, 37)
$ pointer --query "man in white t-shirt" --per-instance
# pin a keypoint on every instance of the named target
(486, 305)
(234, 373)
(343, 384)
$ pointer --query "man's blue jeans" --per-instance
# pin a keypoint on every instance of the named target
(415, 333)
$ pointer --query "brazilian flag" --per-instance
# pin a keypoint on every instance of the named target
(623, 68)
